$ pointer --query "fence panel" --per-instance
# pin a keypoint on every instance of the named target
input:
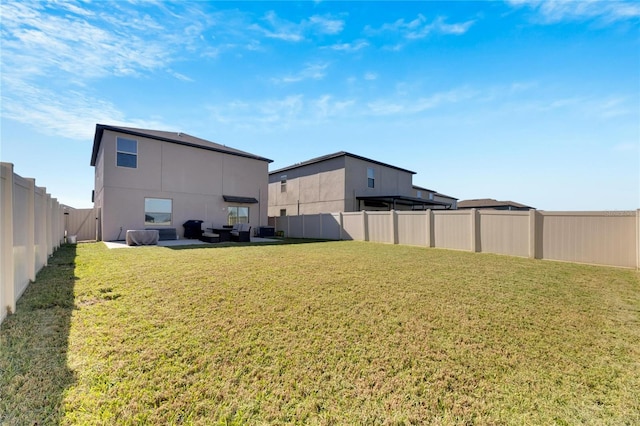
(312, 226)
(81, 223)
(353, 228)
(412, 228)
(504, 232)
(294, 227)
(330, 226)
(31, 228)
(21, 264)
(452, 229)
(40, 236)
(602, 238)
(380, 227)
(606, 238)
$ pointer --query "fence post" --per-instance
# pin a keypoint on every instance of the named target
(365, 226)
(533, 236)
(303, 235)
(394, 227)
(429, 226)
(7, 285)
(31, 229)
(638, 239)
(475, 230)
(341, 226)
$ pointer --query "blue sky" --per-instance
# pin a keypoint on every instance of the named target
(536, 102)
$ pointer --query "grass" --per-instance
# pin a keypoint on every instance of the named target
(320, 333)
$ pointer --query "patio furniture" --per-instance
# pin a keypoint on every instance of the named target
(165, 234)
(142, 237)
(210, 237)
(223, 233)
(241, 232)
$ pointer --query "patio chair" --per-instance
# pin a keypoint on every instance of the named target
(241, 232)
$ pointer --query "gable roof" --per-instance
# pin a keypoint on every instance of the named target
(489, 203)
(337, 155)
(171, 137)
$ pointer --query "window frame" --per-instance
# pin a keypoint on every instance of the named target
(371, 177)
(237, 216)
(146, 213)
(123, 151)
(283, 183)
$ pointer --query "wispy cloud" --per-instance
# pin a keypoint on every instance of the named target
(316, 71)
(403, 105)
(421, 27)
(52, 51)
(275, 27)
(67, 115)
(607, 12)
(349, 47)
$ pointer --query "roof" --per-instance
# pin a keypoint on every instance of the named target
(439, 194)
(420, 188)
(171, 137)
(337, 155)
(402, 199)
(435, 193)
(489, 203)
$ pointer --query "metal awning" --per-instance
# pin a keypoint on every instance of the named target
(242, 200)
(391, 201)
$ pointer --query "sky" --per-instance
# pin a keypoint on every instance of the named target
(535, 102)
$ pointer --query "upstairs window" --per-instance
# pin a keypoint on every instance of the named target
(419, 194)
(283, 183)
(126, 153)
(371, 179)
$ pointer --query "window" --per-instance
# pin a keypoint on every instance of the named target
(283, 212)
(371, 180)
(126, 153)
(431, 196)
(157, 211)
(419, 194)
(283, 183)
(237, 214)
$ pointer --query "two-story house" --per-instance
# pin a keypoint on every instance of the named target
(157, 179)
(446, 201)
(490, 203)
(343, 182)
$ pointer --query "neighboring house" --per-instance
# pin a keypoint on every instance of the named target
(490, 203)
(156, 179)
(343, 182)
(447, 201)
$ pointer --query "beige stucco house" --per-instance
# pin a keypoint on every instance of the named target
(490, 203)
(343, 182)
(445, 201)
(156, 179)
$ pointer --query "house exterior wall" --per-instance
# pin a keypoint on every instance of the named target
(333, 185)
(388, 181)
(194, 179)
(315, 188)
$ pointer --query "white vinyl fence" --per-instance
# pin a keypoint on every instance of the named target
(31, 228)
(603, 238)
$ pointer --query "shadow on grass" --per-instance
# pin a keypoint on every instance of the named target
(276, 242)
(33, 346)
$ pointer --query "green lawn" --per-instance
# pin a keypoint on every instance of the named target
(320, 333)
